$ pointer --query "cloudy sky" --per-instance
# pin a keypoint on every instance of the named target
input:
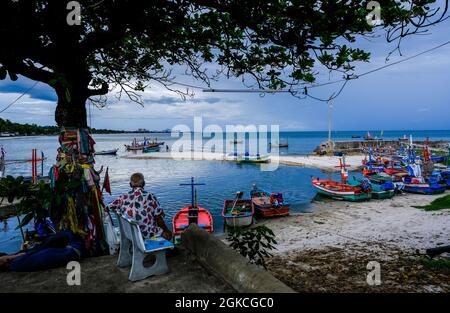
(411, 95)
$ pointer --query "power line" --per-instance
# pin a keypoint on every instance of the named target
(345, 80)
(356, 76)
(18, 98)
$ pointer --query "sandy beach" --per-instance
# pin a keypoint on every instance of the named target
(338, 239)
(327, 163)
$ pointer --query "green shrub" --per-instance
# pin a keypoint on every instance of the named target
(253, 243)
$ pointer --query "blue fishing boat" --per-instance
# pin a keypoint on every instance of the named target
(151, 149)
(378, 191)
(429, 186)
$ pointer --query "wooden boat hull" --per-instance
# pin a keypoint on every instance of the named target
(439, 159)
(147, 150)
(425, 188)
(107, 152)
(180, 221)
(273, 211)
(255, 160)
(262, 206)
(141, 147)
(240, 217)
(378, 191)
(383, 194)
(340, 191)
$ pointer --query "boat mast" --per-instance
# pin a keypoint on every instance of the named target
(193, 209)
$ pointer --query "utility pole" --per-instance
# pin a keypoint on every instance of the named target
(330, 119)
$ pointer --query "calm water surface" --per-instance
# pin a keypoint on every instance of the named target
(163, 177)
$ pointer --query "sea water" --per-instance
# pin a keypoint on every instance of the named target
(222, 179)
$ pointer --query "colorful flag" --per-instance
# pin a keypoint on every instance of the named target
(106, 183)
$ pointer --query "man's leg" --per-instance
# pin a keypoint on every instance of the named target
(44, 259)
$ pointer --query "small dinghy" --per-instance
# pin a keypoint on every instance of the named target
(268, 205)
(420, 185)
(247, 158)
(280, 144)
(140, 147)
(379, 191)
(192, 213)
(107, 152)
(151, 149)
(340, 191)
(238, 212)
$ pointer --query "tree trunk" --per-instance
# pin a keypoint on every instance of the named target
(71, 107)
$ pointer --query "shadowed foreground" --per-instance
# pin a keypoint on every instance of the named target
(101, 275)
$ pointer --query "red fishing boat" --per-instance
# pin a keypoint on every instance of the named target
(181, 220)
(340, 191)
(191, 214)
(268, 204)
(392, 171)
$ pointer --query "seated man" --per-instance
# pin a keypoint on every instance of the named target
(142, 207)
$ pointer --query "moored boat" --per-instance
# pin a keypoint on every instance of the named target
(238, 213)
(384, 178)
(423, 186)
(140, 147)
(268, 205)
(280, 144)
(340, 191)
(151, 149)
(107, 152)
(252, 158)
(192, 214)
(382, 191)
(180, 221)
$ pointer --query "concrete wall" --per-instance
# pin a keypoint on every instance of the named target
(229, 265)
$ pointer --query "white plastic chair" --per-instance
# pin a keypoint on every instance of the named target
(134, 249)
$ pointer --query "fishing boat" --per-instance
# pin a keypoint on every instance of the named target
(439, 158)
(246, 158)
(238, 212)
(140, 146)
(378, 191)
(420, 185)
(107, 152)
(280, 144)
(151, 149)
(340, 191)
(268, 204)
(235, 141)
(394, 171)
(383, 178)
(368, 136)
(192, 213)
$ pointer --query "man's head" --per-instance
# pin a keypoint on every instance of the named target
(137, 180)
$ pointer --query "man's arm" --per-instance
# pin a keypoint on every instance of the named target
(115, 205)
(159, 217)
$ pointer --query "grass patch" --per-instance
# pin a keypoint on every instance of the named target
(439, 264)
(438, 204)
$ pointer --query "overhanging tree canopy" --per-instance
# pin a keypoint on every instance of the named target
(126, 43)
